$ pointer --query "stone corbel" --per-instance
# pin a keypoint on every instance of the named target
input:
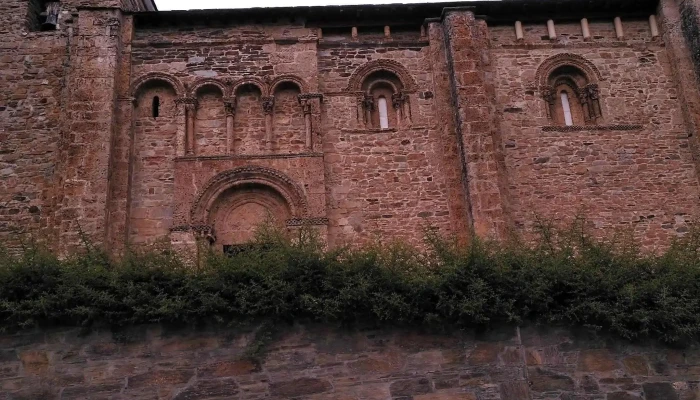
(190, 104)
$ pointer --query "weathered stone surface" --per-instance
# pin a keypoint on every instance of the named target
(659, 391)
(370, 366)
(383, 367)
(410, 387)
(208, 388)
(300, 387)
(622, 396)
(446, 396)
(156, 378)
(514, 390)
(636, 365)
(485, 353)
(35, 362)
(546, 381)
(596, 361)
(226, 368)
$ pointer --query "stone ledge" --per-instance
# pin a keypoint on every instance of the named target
(580, 128)
(248, 157)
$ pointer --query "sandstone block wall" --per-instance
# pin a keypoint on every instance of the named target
(642, 142)
(316, 362)
(129, 127)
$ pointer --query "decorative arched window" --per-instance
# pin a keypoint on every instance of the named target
(568, 84)
(383, 102)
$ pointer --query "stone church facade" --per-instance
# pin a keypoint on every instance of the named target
(127, 125)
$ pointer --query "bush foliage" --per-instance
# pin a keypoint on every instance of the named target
(561, 279)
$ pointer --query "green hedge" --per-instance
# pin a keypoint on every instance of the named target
(561, 279)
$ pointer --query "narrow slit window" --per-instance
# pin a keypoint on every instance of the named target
(568, 120)
(156, 106)
(383, 113)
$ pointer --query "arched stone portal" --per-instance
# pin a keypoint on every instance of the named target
(234, 203)
(241, 210)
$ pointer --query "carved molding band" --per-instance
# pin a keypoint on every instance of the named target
(578, 128)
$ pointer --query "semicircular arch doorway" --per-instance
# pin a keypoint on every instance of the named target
(240, 211)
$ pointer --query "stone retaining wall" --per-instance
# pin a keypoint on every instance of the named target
(323, 363)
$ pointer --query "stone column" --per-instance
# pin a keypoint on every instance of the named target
(306, 110)
(368, 106)
(400, 103)
(268, 105)
(230, 105)
(190, 115)
(473, 95)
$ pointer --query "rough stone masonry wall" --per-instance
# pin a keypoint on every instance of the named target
(387, 185)
(616, 176)
(255, 56)
(316, 362)
(31, 109)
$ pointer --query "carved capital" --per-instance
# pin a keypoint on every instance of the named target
(548, 94)
(189, 102)
(305, 106)
(582, 94)
(230, 105)
(398, 99)
(368, 102)
(205, 232)
(593, 91)
(268, 104)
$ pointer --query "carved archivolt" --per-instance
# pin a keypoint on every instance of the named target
(161, 77)
(262, 86)
(360, 74)
(544, 71)
(200, 83)
(276, 180)
(303, 88)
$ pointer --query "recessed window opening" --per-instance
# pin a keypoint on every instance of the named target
(566, 107)
(43, 15)
(156, 106)
(383, 113)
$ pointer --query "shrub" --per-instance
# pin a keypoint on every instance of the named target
(563, 278)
